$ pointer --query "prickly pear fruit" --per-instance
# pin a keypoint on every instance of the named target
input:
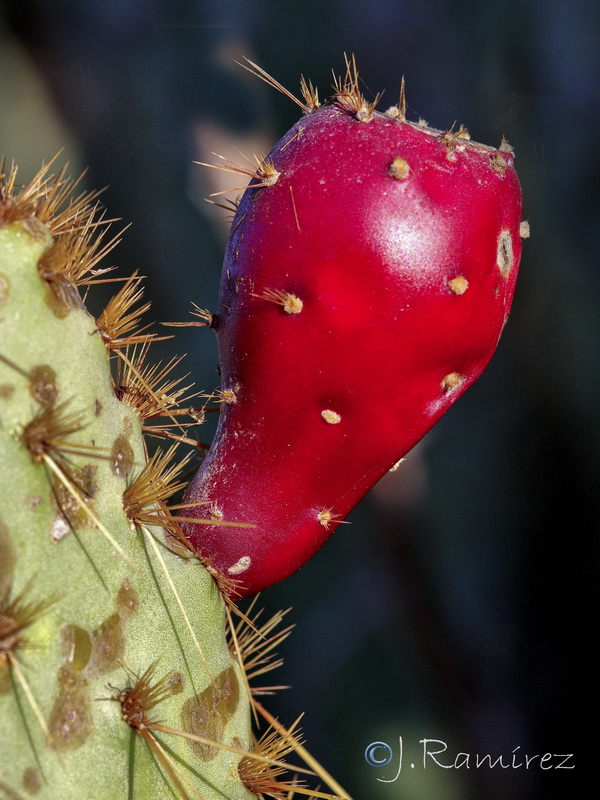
(368, 275)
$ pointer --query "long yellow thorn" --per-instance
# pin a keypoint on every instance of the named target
(304, 754)
(75, 495)
(173, 588)
(228, 747)
(29, 695)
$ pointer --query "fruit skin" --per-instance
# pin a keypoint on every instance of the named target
(402, 245)
(87, 612)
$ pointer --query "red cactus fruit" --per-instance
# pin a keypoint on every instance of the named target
(368, 275)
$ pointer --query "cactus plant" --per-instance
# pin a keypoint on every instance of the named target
(367, 278)
(126, 665)
(124, 672)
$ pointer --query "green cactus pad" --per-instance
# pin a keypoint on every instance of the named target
(107, 628)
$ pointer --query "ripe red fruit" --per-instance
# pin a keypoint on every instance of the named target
(368, 275)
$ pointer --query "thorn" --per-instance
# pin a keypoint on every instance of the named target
(262, 170)
(402, 102)
(308, 91)
(349, 96)
(227, 396)
(297, 135)
(310, 95)
(145, 498)
(326, 518)
(207, 317)
(119, 323)
(295, 210)
(290, 303)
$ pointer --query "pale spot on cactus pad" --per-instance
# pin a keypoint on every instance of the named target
(76, 646)
(108, 645)
(59, 528)
(71, 720)
(128, 601)
(43, 386)
(121, 457)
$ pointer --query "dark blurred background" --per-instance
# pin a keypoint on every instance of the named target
(460, 603)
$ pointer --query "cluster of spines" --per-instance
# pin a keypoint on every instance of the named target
(349, 98)
(165, 408)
